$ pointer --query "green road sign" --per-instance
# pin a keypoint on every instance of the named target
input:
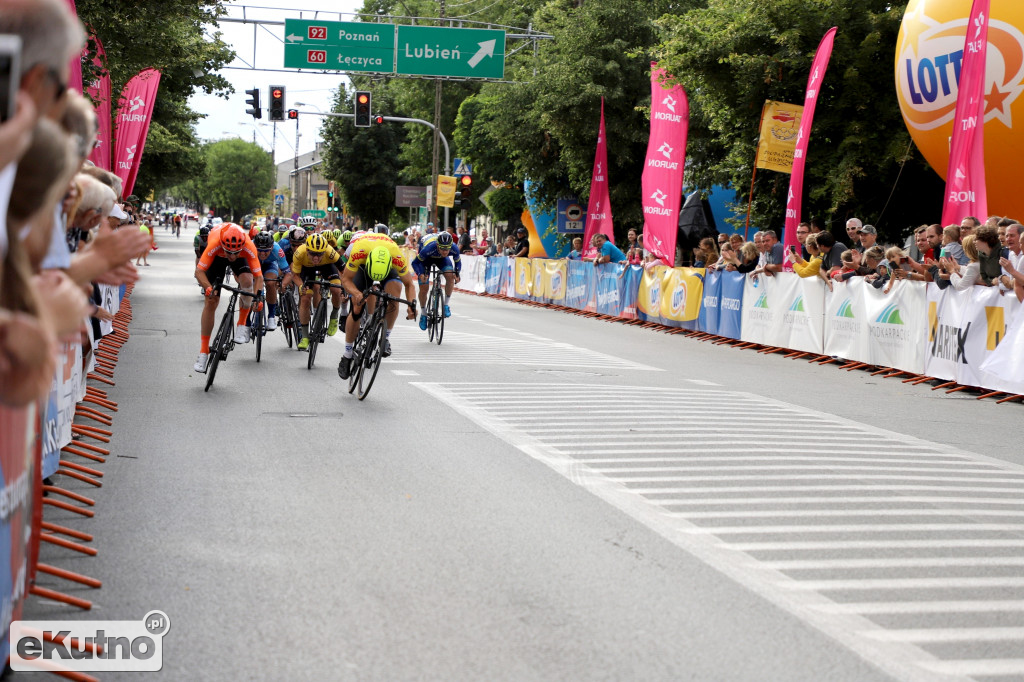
(339, 58)
(458, 52)
(339, 45)
(315, 212)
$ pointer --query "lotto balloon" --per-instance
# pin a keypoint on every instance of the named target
(929, 53)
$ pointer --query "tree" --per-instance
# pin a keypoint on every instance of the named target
(239, 176)
(362, 161)
(734, 54)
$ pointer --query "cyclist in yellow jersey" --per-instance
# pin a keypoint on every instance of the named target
(315, 259)
(374, 258)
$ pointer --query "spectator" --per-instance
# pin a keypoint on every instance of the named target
(853, 226)
(483, 243)
(898, 263)
(465, 244)
(723, 239)
(871, 267)
(737, 242)
(802, 231)
(850, 263)
(969, 224)
(1013, 264)
(144, 254)
(817, 225)
(831, 251)
(990, 252)
(810, 267)
(606, 251)
(706, 253)
(510, 246)
(1001, 230)
(962, 277)
(522, 246)
(759, 243)
(774, 255)
(744, 260)
(868, 238)
(577, 249)
(632, 241)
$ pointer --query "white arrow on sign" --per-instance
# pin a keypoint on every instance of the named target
(292, 37)
(486, 50)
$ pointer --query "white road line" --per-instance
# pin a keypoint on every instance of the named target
(837, 513)
(905, 583)
(985, 667)
(879, 499)
(405, 373)
(701, 382)
(921, 607)
(703, 490)
(853, 528)
(700, 435)
(790, 467)
(907, 562)
(896, 458)
(816, 477)
(943, 635)
(829, 545)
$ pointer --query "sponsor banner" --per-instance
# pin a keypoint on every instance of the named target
(555, 281)
(537, 273)
(608, 295)
(51, 427)
(599, 208)
(494, 279)
(794, 200)
(473, 273)
(965, 174)
(845, 315)
(964, 332)
(649, 293)
(99, 91)
(894, 325)
(17, 476)
(111, 302)
(133, 116)
(523, 278)
(1004, 367)
(707, 321)
(629, 287)
(662, 179)
(730, 305)
(510, 277)
(581, 281)
(785, 311)
(681, 292)
(780, 125)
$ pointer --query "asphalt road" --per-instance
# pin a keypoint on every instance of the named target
(547, 497)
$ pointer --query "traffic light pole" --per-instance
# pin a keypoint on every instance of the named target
(397, 119)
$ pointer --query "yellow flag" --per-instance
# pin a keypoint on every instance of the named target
(446, 190)
(780, 123)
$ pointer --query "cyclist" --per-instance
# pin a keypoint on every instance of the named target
(228, 248)
(274, 264)
(373, 258)
(308, 223)
(434, 250)
(345, 239)
(296, 238)
(199, 241)
(315, 260)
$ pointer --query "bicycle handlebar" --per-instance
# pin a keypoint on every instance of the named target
(387, 297)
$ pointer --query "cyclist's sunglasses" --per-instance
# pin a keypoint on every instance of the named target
(232, 252)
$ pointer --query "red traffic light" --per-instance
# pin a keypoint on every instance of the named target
(363, 98)
(277, 93)
(466, 180)
(379, 120)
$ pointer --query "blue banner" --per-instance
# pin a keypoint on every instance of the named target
(494, 275)
(629, 287)
(608, 299)
(708, 319)
(581, 283)
(52, 431)
(730, 305)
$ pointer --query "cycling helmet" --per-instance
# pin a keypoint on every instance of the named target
(346, 238)
(264, 241)
(204, 232)
(337, 234)
(254, 230)
(444, 240)
(297, 236)
(233, 237)
(316, 243)
(307, 220)
(378, 263)
(380, 228)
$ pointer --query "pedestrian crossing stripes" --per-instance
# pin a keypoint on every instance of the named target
(908, 552)
(461, 347)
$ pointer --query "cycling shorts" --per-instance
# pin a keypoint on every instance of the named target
(270, 268)
(215, 273)
(363, 282)
(421, 268)
(329, 272)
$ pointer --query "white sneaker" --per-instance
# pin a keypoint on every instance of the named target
(241, 334)
(201, 361)
(271, 324)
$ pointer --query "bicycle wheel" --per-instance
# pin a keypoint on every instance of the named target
(258, 329)
(374, 354)
(358, 353)
(296, 325)
(429, 312)
(220, 341)
(440, 322)
(317, 328)
(286, 317)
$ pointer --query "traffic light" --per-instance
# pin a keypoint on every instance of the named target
(464, 197)
(378, 119)
(276, 103)
(293, 114)
(363, 102)
(254, 109)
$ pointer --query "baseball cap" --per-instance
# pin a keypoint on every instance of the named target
(118, 212)
(868, 229)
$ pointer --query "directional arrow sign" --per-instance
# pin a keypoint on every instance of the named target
(339, 45)
(457, 52)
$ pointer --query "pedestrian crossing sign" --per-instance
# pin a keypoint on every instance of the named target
(462, 167)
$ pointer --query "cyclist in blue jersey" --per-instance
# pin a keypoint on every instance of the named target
(435, 250)
(273, 263)
(295, 238)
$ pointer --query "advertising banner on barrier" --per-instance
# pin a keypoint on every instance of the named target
(537, 272)
(554, 281)
(629, 287)
(965, 329)
(894, 325)
(648, 297)
(730, 305)
(523, 278)
(69, 370)
(17, 478)
(51, 427)
(111, 302)
(1004, 366)
(707, 321)
(581, 280)
(845, 316)
(784, 311)
(608, 302)
(494, 282)
(681, 292)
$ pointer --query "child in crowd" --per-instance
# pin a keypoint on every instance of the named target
(951, 247)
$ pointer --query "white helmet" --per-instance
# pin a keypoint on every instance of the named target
(307, 220)
(380, 228)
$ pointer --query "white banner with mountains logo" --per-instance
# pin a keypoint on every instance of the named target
(784, 311)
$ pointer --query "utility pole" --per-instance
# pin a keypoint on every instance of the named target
(437, 132)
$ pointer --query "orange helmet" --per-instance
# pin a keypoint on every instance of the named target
(232, 237)
(254, 230)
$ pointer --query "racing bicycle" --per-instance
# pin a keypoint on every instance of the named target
(319, 321)
(224, 340)
(289, 318)
(433, 309)
(368, 349)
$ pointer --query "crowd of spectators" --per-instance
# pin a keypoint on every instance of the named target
(64, 226)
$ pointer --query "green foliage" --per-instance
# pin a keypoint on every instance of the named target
(239, 176)
(506, 203)
(363, 161)
(169, 36)
(734, 54)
